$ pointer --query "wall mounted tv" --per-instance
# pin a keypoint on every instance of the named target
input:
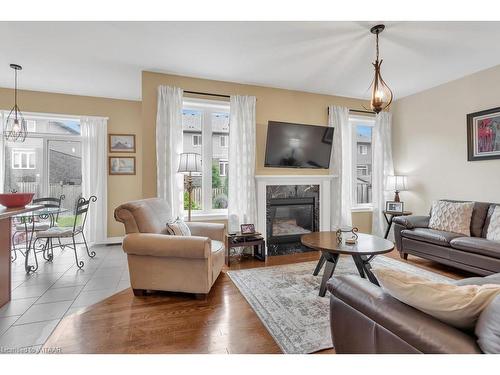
(298, 146)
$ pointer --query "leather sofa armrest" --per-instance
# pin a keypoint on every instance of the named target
(161, 245)
(412, 221)
(421, 331)
(214, 231)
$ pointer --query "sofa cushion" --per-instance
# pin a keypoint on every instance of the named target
(493, 230)
(488, 328)
(477, 245)
(491, 209)
(478, 219)
(451, 216)
(434, 236)
(459, 306)
(178, 227)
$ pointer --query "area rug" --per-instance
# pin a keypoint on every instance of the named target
(286, 300)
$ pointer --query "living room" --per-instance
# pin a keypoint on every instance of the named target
(348, 206)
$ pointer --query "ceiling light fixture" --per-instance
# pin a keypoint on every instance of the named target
(15, 125)
(381, 93)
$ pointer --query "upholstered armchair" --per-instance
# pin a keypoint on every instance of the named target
(158, 261)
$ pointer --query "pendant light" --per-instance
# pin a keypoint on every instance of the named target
(381, 94)
(15, 125)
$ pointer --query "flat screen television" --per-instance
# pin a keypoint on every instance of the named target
(298, 146)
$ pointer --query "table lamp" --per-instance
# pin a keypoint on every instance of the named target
(397, 183)
(189, 163)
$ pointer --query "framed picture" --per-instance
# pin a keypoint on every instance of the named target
(483, 135)
(122, 165)
(121, 143)
(247, 228)
(392, 206)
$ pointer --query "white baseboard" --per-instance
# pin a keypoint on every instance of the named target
(111, 241)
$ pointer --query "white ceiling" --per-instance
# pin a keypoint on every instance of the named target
(106, 58)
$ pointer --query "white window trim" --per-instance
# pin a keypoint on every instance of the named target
(23, 151)
(207, 107)
(224, 139)
(195, 136)
(225, 163)
(355, 120)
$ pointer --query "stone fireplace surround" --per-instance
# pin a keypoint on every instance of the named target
(325, 190)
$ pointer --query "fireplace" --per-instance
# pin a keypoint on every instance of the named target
(291, 211)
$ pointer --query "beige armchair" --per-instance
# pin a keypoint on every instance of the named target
(158, 261)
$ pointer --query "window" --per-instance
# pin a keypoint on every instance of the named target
(223, 141)
(362, 159)
(23, 159)
(196, 140)
(205, 126)
(223, 168)
(48, 163)
(362, 170)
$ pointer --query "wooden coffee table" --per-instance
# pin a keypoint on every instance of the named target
(366, 248)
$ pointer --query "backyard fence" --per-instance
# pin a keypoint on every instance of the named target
(71, 192)
(363, 193)
(197, 195)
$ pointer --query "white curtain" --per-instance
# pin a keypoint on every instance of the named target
(94, 176)
(382, 168)
(2, 154)
(242, 196)
(341, 166)
(170, 184)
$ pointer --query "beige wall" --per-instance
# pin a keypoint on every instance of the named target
(272, 104)
(124, 117)
(430, 142)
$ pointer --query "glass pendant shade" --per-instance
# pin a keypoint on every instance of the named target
(381, 94)
(15, 125)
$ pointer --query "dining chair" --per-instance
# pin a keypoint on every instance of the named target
(22, 227)
(77, 229)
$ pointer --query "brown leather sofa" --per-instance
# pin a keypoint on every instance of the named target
(365, 320)
(158, 261)
(475, 253)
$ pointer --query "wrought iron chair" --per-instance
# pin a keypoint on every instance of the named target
(21, 226)
(80, 218)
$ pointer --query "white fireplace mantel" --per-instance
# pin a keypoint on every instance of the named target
(325, 193)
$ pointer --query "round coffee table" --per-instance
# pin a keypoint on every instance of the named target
(365, 249)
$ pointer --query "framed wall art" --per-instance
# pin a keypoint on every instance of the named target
(483, 135)
(121, 143)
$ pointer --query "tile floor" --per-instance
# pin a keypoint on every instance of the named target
(40, 300)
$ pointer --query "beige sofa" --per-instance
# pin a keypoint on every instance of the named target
(158, 261)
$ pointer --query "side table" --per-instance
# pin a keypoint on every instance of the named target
(388, 215)
(245, 240)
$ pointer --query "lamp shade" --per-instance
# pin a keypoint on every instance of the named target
(189, 162)
(397, 183)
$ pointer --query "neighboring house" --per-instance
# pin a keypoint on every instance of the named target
(24, 162)
(191, 123)
(363, 167)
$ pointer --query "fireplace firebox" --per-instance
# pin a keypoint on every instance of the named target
(292, 211)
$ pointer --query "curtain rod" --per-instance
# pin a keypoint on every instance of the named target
(356, 110)
(206, 94)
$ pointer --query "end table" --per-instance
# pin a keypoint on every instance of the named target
(243, 240)
(389, 215)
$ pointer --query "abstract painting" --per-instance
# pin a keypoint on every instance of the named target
(483, 135)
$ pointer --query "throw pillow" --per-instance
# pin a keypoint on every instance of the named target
(451, 216)
(459, 306)
(488, 328)
(493, 233)
(178, 228)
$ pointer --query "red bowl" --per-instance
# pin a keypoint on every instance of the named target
(16, 199)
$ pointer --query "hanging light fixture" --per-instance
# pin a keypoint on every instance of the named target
(381, 94)
(15, 125)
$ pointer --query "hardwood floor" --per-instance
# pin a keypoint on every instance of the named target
(178, 323)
